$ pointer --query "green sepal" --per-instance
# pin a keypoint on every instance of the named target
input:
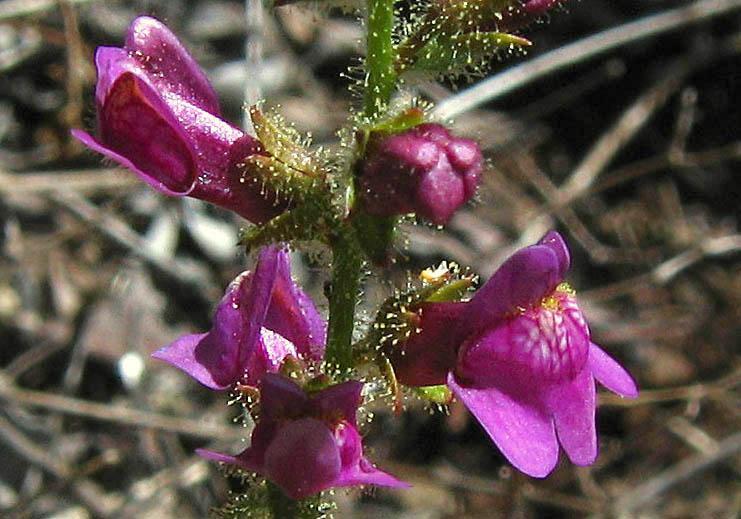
(318, 383)
(284, 180)
(306, 222)
(448, 53)
(284, 143)
(387, 370)
(407, 119)
(454, 291)
(436, 394)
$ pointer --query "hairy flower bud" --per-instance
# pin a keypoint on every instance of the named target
(423, 170)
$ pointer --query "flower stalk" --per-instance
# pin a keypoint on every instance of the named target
(347, 264)
(379, 61)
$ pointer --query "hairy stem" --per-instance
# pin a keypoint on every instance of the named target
(347, 263)
(379, 62)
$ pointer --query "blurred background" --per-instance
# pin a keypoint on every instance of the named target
(627, 143)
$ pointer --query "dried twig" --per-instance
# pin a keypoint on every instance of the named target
(118, 231)
(670, 394)
(86, 490)
(82, 180)
(110, 413)
(10, 9)
(651, 489)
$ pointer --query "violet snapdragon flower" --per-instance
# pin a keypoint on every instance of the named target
(306, 443)
(158, 115)
(263, 317)
(423, 170)
(519, 356)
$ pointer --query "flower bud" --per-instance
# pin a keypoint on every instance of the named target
(423, 170)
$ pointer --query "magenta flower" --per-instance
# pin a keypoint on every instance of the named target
(423, 170)
(158, 115)
(262, 318)
(519, 356)
(306, 443)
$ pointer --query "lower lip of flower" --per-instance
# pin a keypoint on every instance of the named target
(551, 338)
(547, 342)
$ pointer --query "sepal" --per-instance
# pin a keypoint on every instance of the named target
(306, 222)
(435, 394)
(284, 143)
(457, 53)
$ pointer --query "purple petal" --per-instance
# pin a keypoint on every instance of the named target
(253, 308)
(252, 458)
(573, 407)
(218, 358)
(414, 151)
(168, 64)
(609, 373)
(522, 281)
(542, 343)
(422, 170)
(303, 458)
(268, 355)
(356, 469)
(293, 315)
(349, 443)
(523, 432)
(94, 145)
(556, 242)
(110, 63)
(211, 139)
(208, 370)
(341, 400)
(218, 456)
(217, 145)
(435, 132)
(426, 357)
(440, 193)
(539, 6)
(365, 473)
(135, 123)
(281, 398)
(465, 155)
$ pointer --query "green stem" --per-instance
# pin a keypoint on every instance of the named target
(347, 263)
(282, 506)
(379, 62)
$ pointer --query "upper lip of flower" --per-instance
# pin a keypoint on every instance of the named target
(223, 355)
(524, 280)
(161, 58)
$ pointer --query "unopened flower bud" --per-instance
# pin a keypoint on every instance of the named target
(423, 170)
